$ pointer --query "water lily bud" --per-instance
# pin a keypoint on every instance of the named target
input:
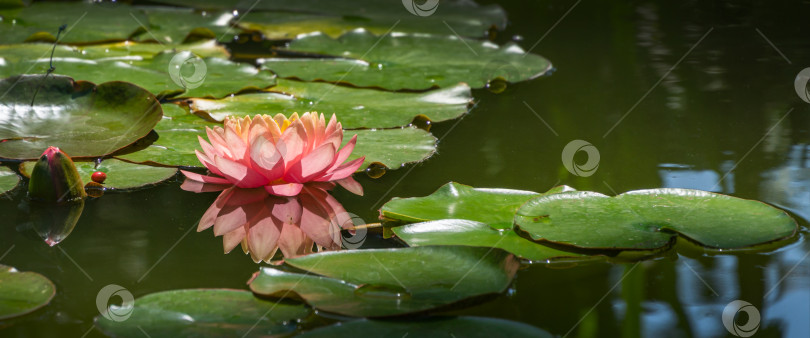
(55, 179)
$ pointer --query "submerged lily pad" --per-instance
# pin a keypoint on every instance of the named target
(389, 282)
(355, 107)
(406, 61)
(136, 63)
(23, 292)
(205, 313)
(463, 326)
(649, 219)
(8, 180)
(86, 22)
(81, 118)
(120, 175)
(495, 207)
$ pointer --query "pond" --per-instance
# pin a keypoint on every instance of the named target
(696, 95)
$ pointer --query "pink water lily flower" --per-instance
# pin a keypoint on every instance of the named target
(278, 153)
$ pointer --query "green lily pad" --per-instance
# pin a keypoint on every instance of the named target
(354, 107)
(205, 313)
(458, 214)
(174, 25)
(178, 133)
(650, 219)
(120, 175)
(23, 292)
(392, 147)
(286, 19)
(464, 326)
(406, 61)
(389, 282)
(81, 118)
(8, 180)
(137, 63)
(177, 140)
(86, 22)
(472, 233)
(495, 207)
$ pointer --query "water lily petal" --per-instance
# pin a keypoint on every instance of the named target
(205, 179)
(233, 238)
(311, 165)
(284, 189)
(343, 171)
(239, 174)
(266, 159)
(351, 185)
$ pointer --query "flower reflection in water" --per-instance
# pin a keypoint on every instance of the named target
(265, 223)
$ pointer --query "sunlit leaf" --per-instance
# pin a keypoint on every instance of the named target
(406, 61)
(354, 107)
(649, 219)
(81, 118)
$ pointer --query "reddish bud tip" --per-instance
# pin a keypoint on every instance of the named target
(98, 177)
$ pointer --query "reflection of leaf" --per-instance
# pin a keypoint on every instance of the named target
(403, 61)
(649, 219)
(355, 108)
(81, 118)
(120, 175)
(8, 180)
(386, 282)
(205, 312)
(430, 327)
(22, 292)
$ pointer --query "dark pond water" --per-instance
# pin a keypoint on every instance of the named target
(694, 94)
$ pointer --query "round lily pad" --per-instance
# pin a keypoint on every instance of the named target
(389, 282)
(649, 219)
(406, 61)
(120, 175)
(8, 180)
(23, 292)
(354, 107)
(81, 118)
(205, 313)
